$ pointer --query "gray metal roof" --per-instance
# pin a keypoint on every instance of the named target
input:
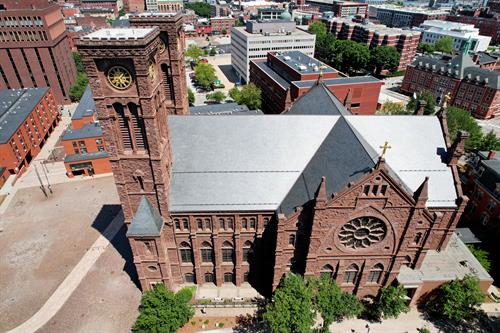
(90, 130)
(467, 236)
(301, 63)
(86, 107)
(443, 63)
(319, 100)
(490, 78)
(223, 163)
(454, 262)
(274, 75)
(85, 157)
(15, 106)
(338, 81)
(221, 109)
(147, 220)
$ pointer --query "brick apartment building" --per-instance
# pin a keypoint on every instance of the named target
(84, 142)
(284, 77)
(221, 24)
(472, 88)
(27, 118)
(134, 6)
(482, 186)
(373, 35)
(349, 9)
(34, 48)
(405, 17)
(311, 194)
(110, 6)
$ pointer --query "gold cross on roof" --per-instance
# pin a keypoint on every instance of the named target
(384, 149)
(321, 68)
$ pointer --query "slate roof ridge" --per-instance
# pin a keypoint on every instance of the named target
(334, 101)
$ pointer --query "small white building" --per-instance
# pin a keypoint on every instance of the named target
(260, 37)
(434, 30)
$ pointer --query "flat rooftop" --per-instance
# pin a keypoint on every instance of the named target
(338, 81)
(15, 106)
(302, 63)
(413, 10)
(378, 28)
(295, 32)
(119, 33)
(153, 14)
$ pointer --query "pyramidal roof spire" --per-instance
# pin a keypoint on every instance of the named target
(422, 193)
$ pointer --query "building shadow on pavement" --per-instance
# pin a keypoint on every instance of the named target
(229, 73)
(119, 241)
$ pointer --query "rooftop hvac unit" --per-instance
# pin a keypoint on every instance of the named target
(302, 67)
(287, 58)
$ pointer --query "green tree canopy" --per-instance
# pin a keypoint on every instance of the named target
(459, 299)
(325, 46)
(213, 51)
(250, 95)
(190, 96)
(444, 44)
(425, 48)
(331, 302)
(392, 302)
(490, 142)
(162, 311)
(217, 96)
(200, 8)
(224, 32)
(78, 88)
(425, 95)
(482, 256)
(459, 119)
(205, 74)
(392, 108)
(318, 28)
(384, 57)
(194, 52)
(78, 62)
(349, 56)
(291, 308)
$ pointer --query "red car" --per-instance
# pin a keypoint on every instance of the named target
(204, 60)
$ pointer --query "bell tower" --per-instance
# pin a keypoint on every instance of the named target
(123, 66)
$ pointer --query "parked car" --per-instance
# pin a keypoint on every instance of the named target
(204, 60)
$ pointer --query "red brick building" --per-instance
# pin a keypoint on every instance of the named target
(221, 24)
(258, 196)
(373, 35)
(472, 88)
(110, 6)
(27, 118)
(286, 76)
(134, 6)
(34, 48)
(84, 142)
(349, 9)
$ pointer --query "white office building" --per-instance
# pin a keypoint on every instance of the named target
(260, 37)
(434, 30)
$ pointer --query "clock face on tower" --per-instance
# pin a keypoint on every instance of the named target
(162, 46)
(119, 77)
(152, 71)
(362, 232)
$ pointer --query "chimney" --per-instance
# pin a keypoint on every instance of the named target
(475, 57)
(491, 154)
(421, 107)
(321, 195)
(457, 148)
(421, 194)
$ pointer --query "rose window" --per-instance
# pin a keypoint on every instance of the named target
(362, 232)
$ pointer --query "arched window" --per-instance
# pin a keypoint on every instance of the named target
(167, 82)
(291, 240)
(326, 271)
(227, 252)
(244, 223)
(253, 223)
(207, 253)
(137, 123)
(351, 274)
(247, 248)
(123, 124)
(407, 261)
(185, 224)
(189, 278)
(209, 277)
(199, 223)
(222, 224)
(177, 224)
(228, 277)
(418, 238)
(186, 253)
(230, 223)
(375, 273)
(266, 221)
(245, 277)
(208, 223)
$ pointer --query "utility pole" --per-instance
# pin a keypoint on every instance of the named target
(47, 178)
(40, 180)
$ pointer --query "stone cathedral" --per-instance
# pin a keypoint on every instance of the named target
(367, 200)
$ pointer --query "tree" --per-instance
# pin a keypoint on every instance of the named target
(324, 46)
(349, 56)
(392, 108)
(426, 96)
(200, 8)
(194, 52)
(163, 311)
(444, 44)
(205, 74)
(291, 308)
(490, 142)
(384, 57)
(78, 62)
(458, 299)
(461, 120)
(425, 48)
(250, 95)
(223, 32)
(213, 51)
(217, 96)
(482, 256)
(78, 88)
(190, 97)
(121, 12)
(331, 302)
(392, 302)
(318, 28)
